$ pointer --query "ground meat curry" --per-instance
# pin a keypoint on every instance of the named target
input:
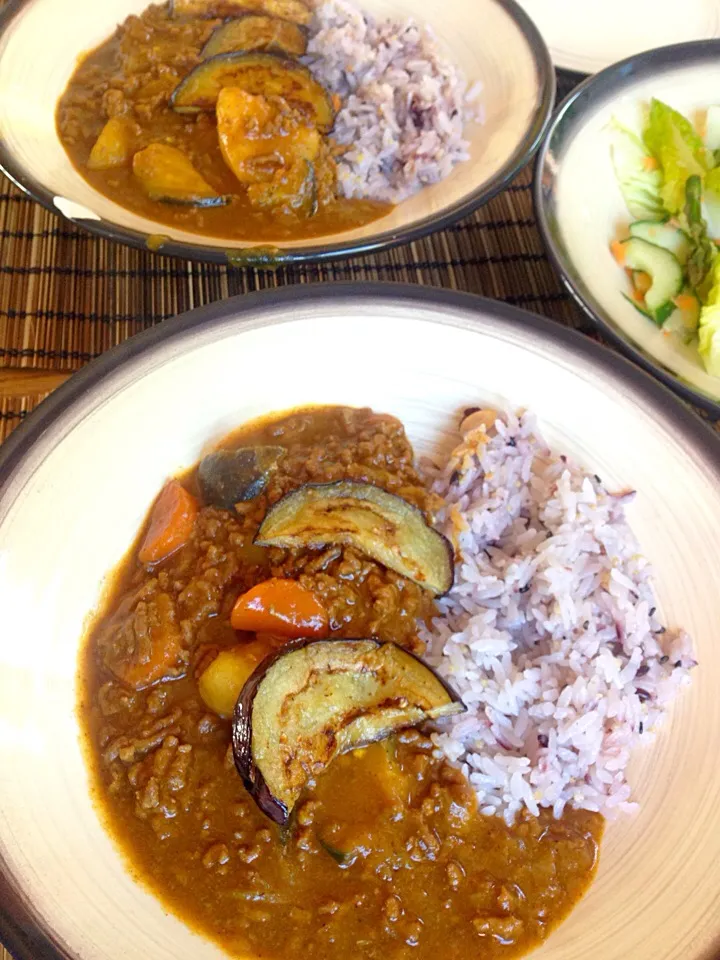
(202, 116)
(385, 854)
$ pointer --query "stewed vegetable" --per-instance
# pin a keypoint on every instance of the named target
(227, 477)
(171, 523)
(260, 136)
(260, 74)
(314, 701)
(376, 522)
(293, 10)
(281, 607)
(261, 33)
(167, 174)
(115, 145)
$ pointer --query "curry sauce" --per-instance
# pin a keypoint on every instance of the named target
(132, 77)
(386, 855)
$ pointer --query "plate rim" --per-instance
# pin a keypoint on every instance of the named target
(597, 89)
(258, 302)
(22, 931)
(265, 255)
(588, 65)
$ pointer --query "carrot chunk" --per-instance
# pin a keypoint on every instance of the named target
(281, 607)
(171, 523)
(686, 302)
(618, 251)
(642, 282)
(150, 645)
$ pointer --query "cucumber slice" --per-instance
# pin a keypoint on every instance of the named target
(687, 315)
(664, 270)
(659, 317)
(712, 129)
(663, 235)
(685, 318)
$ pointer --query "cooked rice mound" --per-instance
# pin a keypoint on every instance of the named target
(551, 633)
(404, 106)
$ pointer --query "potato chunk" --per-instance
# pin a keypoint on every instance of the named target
(167, 174)
(221, 682)
(115, 145)
(259, 135)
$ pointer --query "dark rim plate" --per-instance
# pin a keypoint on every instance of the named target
(261, 255)
(568, 120)
(21, 930)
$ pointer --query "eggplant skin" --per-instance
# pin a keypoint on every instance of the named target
(227, 477)
(253, 33)
(260, 74)
(379, 524)
(316, 699)
(291, 192)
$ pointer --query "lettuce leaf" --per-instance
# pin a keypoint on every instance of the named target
(639, 185)
(709, 331)
(676, 146)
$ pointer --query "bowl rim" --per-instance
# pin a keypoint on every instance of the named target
(22, 931)
(568, 120)
(259, 255)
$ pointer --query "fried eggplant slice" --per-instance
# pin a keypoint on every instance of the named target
(375, 522)
(316, 699)
(291, 192)
(115, 145)
(293, 10)
(266, 34)
(167, 174)
(262, 74)
(227, 477)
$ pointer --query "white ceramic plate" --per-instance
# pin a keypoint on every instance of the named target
(579, 205)
(41, 41)
(77, 477)
(589, 35)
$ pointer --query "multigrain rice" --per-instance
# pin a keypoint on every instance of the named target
(404, 107)
(551, 633)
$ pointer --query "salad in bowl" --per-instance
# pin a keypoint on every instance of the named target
(669, 177)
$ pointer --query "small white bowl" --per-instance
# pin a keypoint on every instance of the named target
(77, 477)
(492, 41)
(578, 203)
